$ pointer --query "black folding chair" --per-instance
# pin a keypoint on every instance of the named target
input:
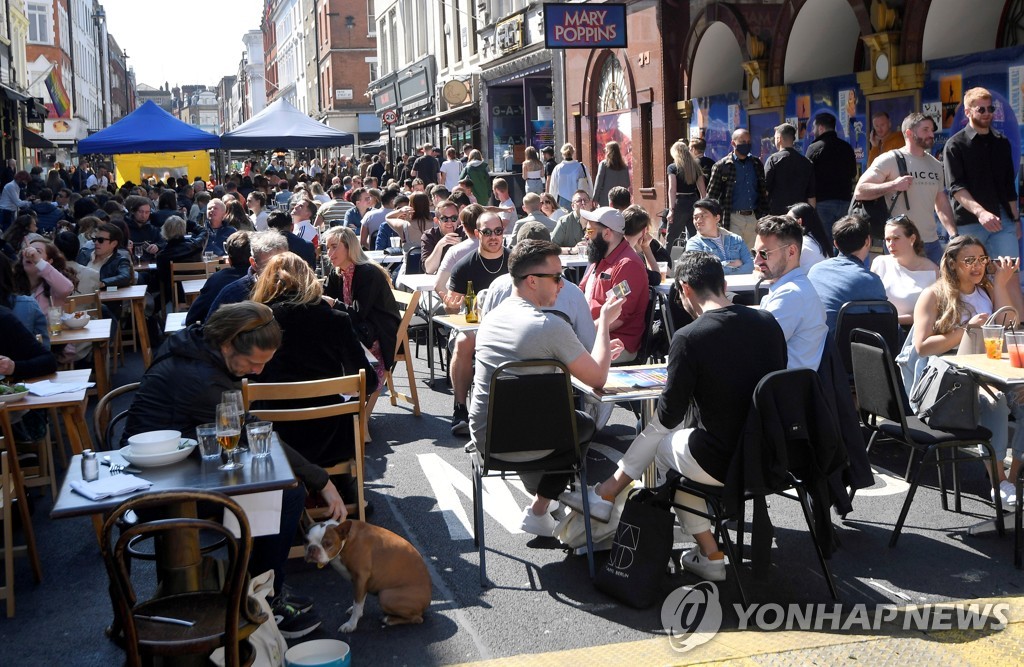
(546, 420)
(879, 396)
(878, 316)
(772, 390)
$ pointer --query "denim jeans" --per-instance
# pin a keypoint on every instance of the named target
(270, 552)
(829, 211)
(1003, 243)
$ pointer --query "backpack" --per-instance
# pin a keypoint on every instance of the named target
(875, 211)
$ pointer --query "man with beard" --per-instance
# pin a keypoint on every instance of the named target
(979, 174)
(924, 183)
(480, 268)
(571, 229)
(613, 261)
(791, 297)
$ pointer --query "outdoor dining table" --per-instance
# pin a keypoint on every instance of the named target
(175, 322)
(381, 257)
(424, 282)
(136, 297)
(643, 383)
(744, 282)
(457, 323)
(177, 556)
(997, 373)
(192, 289)
(96, 333)
(71, 406)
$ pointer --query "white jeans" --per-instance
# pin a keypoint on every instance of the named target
(670, 450)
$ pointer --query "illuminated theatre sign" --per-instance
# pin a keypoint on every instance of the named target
(586, 26)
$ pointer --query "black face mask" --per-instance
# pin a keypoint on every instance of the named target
(597, 249)
(743, 149)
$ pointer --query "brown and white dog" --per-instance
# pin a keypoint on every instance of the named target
(376, 561)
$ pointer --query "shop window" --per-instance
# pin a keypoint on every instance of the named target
(614, 118)
(646, 146)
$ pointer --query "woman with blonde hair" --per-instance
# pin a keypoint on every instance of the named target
(533, 171)
(360, 287)
(685, 186)
(318, 342)
(611, 172)
(961, 300)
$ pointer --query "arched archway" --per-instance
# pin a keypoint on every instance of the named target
(823, 41)
(716, 66)
(955, 28)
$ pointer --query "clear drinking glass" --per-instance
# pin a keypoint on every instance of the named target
(228, 434)
(992, 334)
(138, 249)
(259, 435)
(234, 397)
(209, 447)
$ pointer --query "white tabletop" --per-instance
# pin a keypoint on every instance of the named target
(382, 257)
(573, 260)
(421, 282)
(737, 283)
(175, 322)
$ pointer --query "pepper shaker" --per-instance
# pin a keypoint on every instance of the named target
(90, 466)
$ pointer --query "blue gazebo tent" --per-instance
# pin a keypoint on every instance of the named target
(148, 129)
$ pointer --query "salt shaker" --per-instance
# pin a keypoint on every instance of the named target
(90, 466)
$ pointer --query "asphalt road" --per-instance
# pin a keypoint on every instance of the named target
(541, 599)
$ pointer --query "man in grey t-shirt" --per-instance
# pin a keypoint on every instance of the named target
(518, 330)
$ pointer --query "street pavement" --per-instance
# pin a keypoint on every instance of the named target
(541, 607)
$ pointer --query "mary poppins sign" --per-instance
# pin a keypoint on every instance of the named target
(586, 26)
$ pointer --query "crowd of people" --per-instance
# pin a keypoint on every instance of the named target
(271, 316)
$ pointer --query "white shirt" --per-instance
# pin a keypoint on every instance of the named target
(10, 197)
(451, 170)
(810, 253)
(306, 231)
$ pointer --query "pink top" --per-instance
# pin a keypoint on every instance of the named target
(60, 286)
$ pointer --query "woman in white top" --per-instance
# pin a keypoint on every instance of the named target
(961, 299)
(451, 168)
(905, 271)
(568, 176)
(815, 247)
(533, 171)
(318, 193)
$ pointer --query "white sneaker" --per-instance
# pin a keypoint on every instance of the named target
(542, 525)
(600, 508)
(706, 567)
(1007, 492)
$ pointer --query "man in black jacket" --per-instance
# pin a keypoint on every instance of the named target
(835, 171)
(182, 389)
(717, 388)
(21, 355)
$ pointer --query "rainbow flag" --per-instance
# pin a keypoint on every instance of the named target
(61, 103)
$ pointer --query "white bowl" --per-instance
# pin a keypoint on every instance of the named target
(71, 322)
(156, 460)
(11, 398)
(155, 442)
(319, 653)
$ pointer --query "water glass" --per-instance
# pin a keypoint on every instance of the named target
(396, 241)
(581, 250)
(53, 315)
(663, 269)
(992, 334)
(208, 256)
(259, 435)
(208, 445)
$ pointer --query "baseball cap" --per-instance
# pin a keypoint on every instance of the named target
(607, 216)
(533, 230)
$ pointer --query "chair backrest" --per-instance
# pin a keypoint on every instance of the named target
(103, 423)
(781, 388)
(407, 302)
(269, 392)
(413, 261)
(878, 316)
(878, 383)
(182, 271)
(116, 557)
(531, 411)
(88, 303)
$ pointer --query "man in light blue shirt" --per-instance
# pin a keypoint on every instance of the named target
(791, 297)
(845, 278)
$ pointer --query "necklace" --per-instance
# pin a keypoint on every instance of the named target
(483, 263)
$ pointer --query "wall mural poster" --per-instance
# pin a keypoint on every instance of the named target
(616, 127)
(839, 97)
(950, 94)
(720, 111)
(762, 133)
(1016, 85)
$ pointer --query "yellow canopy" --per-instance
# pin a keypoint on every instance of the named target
(137, 167)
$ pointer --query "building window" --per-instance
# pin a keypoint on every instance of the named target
(372, 62)
(646, 145)
(39, 23)
(371, 19)
(613, 93)
(614, 119)
(421, 28)
(382, 41)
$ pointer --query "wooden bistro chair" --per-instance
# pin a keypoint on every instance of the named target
(221, 617)
(408, 301)
(180, 272)
(267, 393)
(7, 517)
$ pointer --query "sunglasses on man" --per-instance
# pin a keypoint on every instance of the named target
(498, 231)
